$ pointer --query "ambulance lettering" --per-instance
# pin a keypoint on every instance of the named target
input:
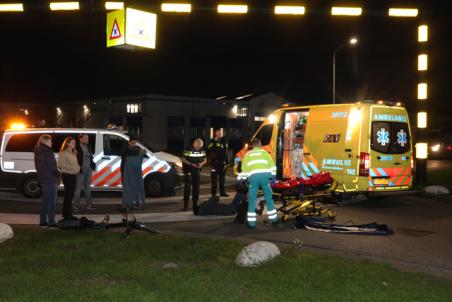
(339, 114)
(335, 163)
(389, 117)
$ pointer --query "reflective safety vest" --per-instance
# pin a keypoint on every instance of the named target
(193, 156)
(218, 151)
(257, 161)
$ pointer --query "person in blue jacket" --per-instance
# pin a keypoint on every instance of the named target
(48, 174)
(133, 194)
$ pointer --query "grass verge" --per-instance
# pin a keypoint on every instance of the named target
(66, 266)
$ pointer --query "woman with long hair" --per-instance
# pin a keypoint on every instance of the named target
(68, 164)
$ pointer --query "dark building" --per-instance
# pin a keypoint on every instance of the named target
(170, 122)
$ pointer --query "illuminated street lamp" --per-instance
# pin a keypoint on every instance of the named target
(352, 41)
(12, 7)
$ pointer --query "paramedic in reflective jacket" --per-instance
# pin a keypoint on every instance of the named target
(258, 168)
(218, 154)
(193, 159)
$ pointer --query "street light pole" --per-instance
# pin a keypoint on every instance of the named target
(352, 41)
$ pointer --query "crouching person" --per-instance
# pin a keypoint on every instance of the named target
(258, 168)
(47, 170)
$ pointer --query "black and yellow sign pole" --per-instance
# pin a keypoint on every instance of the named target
(422, 103)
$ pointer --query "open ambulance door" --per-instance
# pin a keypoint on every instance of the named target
(295, 162)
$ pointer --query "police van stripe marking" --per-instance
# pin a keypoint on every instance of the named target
(108, 177)
(98, 174)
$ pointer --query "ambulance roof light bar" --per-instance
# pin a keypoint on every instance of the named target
(382, 102)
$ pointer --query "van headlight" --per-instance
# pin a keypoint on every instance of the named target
(178, 167)
(435, 148)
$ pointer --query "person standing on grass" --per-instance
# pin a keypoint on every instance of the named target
(133, 195)
(68, 164)
(259, 168)
(47, 170)
(193, 159)
(83, 180)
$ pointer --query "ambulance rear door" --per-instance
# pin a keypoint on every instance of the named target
(390, 149)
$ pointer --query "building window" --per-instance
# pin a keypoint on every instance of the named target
(133, 108)
(242, 112)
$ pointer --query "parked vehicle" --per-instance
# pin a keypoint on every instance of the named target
(18, 169)
(365, 146)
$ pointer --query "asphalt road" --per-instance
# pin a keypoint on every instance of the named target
(422, 239)
(439, 164)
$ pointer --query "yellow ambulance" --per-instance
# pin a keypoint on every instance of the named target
(366, 146)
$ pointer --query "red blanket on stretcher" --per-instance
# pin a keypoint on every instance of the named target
(315, 180)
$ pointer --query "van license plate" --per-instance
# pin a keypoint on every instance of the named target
(381, 181)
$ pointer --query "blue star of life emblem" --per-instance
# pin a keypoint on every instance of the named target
(402, 138)
(382, 137)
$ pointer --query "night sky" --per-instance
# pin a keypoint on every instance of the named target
(61, 56)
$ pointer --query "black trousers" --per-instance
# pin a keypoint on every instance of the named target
(218, 175)
(191, 179)
(69, 189)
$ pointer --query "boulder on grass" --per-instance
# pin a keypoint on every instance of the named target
(257, 253)
(6, 232)
(436, 190)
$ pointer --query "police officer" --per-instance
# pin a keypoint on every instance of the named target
(218, 151)
(258, 168)
(193, 159)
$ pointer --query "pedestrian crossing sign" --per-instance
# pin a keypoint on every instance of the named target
(115, 31)
(115, 28)
(131, 27)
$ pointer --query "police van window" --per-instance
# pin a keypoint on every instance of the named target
(58, 139)
(265, 134)
(390, 137)
(113, 144)
(22, 142)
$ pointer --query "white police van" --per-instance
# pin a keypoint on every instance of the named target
(160, 169)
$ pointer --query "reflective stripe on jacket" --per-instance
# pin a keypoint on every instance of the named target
(257, 161)
(194, 156)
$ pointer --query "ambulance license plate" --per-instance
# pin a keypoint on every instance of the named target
(381, 181)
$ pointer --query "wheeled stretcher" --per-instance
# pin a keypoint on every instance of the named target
(306, 196)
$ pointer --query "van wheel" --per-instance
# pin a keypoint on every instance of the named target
(30, 187)
(154, 185)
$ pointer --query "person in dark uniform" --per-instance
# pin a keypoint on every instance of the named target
(193, 159)
(218, 154)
